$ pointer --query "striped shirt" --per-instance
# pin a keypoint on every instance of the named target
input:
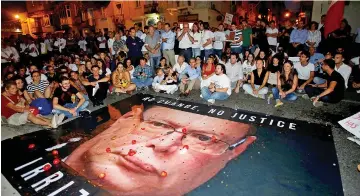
(238, 34)
(40, 87)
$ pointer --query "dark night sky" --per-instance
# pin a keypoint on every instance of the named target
(10, 8)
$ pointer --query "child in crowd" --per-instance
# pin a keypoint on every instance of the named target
(162, 83)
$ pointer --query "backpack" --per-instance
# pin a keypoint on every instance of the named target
(43, 105)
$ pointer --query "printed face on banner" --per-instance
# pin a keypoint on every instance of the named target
(160, 151)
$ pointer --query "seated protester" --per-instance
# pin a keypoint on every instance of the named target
(103, 68)
(17, 112)
(8, 76)
(170, 76)
(121, 80)
(189, 77)
(84, 73)
(343, 69)
(76, 83)
(330, 92)
(315, 58)
(97, 86)
(207, 71)
(129, 67)
(305, 70)
(121, 57)
(51, 74)
(223, 59)
(22, 73)
(274, 68)
(286, 84)
(259, 78)
(219, 87)
(235, 72)
(160, 83)
(248, 66)
(198, 61)
(33, 68)
(262, 56)
(38, 88)
(64, 100)
(143, 75)
(355, 80)
(162, 63)
(180, 66)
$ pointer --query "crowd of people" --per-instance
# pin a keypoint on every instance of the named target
(65, 72)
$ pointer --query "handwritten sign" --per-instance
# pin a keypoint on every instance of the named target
(228, 18)
(352, 124)
(294, 59)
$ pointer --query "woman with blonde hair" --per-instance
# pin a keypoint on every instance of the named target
(121, 80)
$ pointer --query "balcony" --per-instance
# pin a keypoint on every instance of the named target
(36, 30)
(66, 21)
(151, 8)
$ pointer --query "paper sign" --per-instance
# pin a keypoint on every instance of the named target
(294, 59)
(228, 18)
(352, 124)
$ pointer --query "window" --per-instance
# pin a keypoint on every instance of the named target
(76, 10)
(83, 16)
(103, 13)
(189, 3)
(67, 9)
(137, 3)
(177, 3)
(90, 13)
(46, 20)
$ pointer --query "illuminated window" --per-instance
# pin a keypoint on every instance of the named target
(67, 10)
(46, 20)
(137, 3)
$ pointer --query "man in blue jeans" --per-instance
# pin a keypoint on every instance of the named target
(152, 44)
(64, 100)
(143, 75)
(219, 88)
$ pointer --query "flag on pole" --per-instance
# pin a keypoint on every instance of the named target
(334, 16)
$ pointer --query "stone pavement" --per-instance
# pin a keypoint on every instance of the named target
(348, 152)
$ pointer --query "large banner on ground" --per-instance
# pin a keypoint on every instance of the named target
(146, 145)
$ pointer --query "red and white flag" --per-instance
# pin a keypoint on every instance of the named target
(334, 16)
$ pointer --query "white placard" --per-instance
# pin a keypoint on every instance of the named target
(294, 59)
(352, 124)
(228, 18)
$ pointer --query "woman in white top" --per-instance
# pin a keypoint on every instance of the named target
(197, 40)
(129, 67)
(314, 35)
(103, 68)
(248, 66)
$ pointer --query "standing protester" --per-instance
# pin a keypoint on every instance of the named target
(247, 37)
(219, 43)
(272, 34)
(298, 38)
(102, 42)
(237, 42)
(152, 44)
(196, 43)
(207, 41)
(168, 41)
(185, 42)
(134, 44)
(110, 43)
(284, 35)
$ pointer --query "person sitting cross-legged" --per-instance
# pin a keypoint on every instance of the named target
(259, 78)
(332, 91)
(286, 84)
(121, 80)
(17, 112)
(64, 100)
(143, 75)
(97, 85)
(160, 83)
(189, 77)
(219, 88)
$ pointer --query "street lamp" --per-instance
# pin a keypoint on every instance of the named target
(17, 16)
(287, 14)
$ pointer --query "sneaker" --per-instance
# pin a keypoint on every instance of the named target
(211, 101)
(201, 96)
(173, 91)
(305, 96)
(318, 104)
(60, 119)
(54, 120)
(261, 96)
(278, 103)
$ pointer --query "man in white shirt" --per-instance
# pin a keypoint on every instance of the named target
(33, 51)
(219, 43)
(342, 68)
(102, 42)
(234, 72)
(60, 44)
(207, 40)
(110, 44)
(185, 41)
(180, 66)
(272, 33)
(219, 87)
(82, 44)
(168, 42)
(8, 53)
(305, 70)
